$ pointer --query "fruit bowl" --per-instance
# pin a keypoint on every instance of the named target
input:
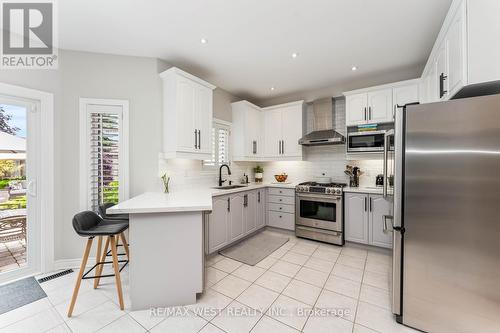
(281, 178)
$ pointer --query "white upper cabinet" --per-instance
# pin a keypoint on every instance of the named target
(187, 115)
(377, 104)
(266, 134)
(291, 130)
(247, 139)
(466, 50)
(380, 106)
(272, 130)
(357, 105)
(282, 131)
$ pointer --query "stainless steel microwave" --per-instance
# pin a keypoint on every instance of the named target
(365, 142)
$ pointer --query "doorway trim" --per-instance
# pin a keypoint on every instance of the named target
(45, 183)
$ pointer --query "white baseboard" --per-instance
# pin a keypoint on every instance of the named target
(72, 263)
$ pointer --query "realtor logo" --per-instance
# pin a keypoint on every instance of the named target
(28, 35)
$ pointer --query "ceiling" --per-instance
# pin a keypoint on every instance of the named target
(250, 43)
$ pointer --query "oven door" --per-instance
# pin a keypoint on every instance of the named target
(365, 141)
(319, 211)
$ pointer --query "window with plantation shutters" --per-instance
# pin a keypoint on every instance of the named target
(104, 159)
(220, 145)
(105, 149)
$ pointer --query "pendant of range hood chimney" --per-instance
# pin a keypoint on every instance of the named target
(323, 133)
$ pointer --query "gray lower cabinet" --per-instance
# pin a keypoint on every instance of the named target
(218, 224)
(378, 235)
(356, 217)
(364, 219)
(233, 217)
(281, 208)
(261, 208)
(236, 217)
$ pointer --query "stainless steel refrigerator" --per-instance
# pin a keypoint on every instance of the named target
(444, 160)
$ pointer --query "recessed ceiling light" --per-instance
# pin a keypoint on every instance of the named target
(272, 88)
(294, 55)
(203, 40)
(354, 68)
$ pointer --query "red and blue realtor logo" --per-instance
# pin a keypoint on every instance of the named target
(28, 35)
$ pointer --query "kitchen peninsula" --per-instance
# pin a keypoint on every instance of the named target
(166, 245)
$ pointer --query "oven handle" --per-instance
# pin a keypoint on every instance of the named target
(329, 232)
(323, 199)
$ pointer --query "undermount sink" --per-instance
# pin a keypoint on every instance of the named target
(229, 187)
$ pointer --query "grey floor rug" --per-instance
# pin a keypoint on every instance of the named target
(252, 250)
(19, 293)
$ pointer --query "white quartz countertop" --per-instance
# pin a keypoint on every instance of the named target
(252, 186)
(187, 200)
(368, 189)
(157, 202)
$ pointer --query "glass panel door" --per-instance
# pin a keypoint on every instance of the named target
(20, 230)
(13, 185)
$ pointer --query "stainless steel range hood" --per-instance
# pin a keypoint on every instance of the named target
(323, 133)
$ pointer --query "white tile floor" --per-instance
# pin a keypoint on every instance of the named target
(348, 288)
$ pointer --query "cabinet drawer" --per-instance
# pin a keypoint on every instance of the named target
(279, 199)
(281, 220)
(281, 208)
(289, 192)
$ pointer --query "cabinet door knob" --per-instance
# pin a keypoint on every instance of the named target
(280, 216)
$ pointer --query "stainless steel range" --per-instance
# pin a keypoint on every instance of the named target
(319, 212)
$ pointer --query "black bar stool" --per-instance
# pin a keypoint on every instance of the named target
(89, 224)
(109, 218)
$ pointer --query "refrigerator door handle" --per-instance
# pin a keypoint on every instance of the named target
(386, 156)
(397, 266)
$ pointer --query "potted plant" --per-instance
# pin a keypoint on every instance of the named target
(259, 176)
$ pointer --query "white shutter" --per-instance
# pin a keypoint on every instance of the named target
(220, 145)
(222, 137)
(104, 157)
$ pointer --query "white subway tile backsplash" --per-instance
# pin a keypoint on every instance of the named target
(318, 160)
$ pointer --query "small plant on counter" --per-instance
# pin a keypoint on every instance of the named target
(259, 173)
(166, 180)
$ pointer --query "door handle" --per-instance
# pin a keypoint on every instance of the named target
(279, 147)
(283, 147)
(364, 115)
(245, 200)
(195, 139)
(258, 196)
(199, 139)
(228, 204)
(366, 199)
(370, 204)
(369, 113)
(254, 147)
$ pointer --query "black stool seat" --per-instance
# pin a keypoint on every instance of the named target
(111, 217)
(89, 224)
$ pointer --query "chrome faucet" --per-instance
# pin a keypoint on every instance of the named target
(221, 181)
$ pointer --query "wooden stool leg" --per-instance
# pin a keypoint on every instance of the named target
(80, 274)
(125, 245)
(99, 249)
(99, 268)
(117, 271)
